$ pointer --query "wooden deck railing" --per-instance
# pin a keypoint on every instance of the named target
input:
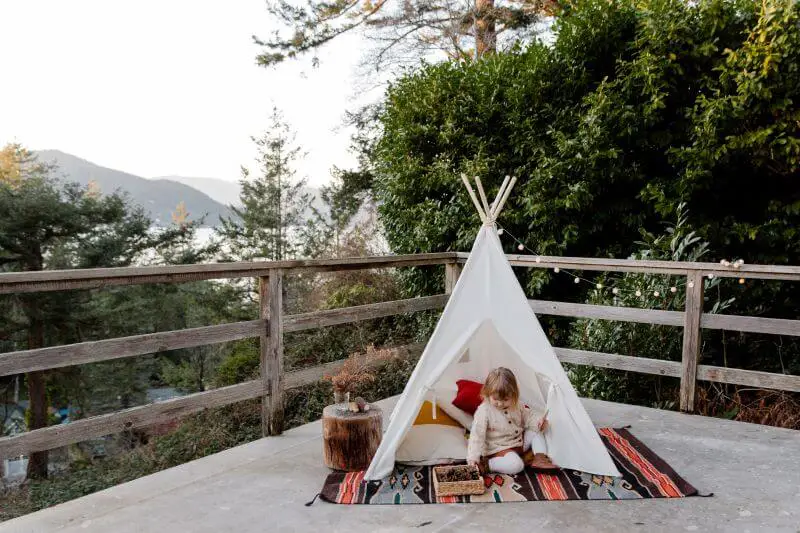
(273, 323)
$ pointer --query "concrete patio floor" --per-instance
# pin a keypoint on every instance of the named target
(753, 470)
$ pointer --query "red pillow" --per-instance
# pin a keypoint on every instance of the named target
(468, 397)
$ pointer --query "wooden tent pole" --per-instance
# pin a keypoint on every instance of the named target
(474, 198)
(483, 198)
(499, 194)
(499, 207)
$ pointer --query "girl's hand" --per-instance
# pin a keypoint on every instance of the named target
(543, 424)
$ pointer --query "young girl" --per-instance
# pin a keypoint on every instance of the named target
(503, 430)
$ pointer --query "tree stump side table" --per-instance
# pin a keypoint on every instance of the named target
(350, 440)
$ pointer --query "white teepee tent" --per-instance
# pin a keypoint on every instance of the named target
(488, 323)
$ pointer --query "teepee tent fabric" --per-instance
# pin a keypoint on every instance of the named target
(488, 323)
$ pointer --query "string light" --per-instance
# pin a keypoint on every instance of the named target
(614, 290)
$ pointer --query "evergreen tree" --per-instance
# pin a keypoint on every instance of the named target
(404, 32)
(274, 202)
(48, 224)
(342, 197)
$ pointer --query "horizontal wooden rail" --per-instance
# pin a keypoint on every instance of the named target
(677, 268)
(748, 324)
(717, 374)
(104, 350)
(619, 362)
(160, 412)
(607, 312)
(332, 317)
(136, 417)
(24, 361)
(60, 280)
(751, 378)
(751, 324)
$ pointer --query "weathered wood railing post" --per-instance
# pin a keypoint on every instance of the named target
(451, 273)
(271, 346)
(691, 339)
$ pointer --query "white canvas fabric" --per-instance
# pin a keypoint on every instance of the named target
(488, 323)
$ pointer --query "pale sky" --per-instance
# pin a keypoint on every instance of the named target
(161, 87)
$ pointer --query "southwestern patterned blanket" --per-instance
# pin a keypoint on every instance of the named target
(644, 475)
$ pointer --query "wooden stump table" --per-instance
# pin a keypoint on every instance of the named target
(350, 440)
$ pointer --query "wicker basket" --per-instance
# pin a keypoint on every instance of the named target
(456, 488)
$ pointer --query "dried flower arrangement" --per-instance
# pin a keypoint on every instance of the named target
(359, 368)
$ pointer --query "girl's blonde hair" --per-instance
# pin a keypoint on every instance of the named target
(501, 384)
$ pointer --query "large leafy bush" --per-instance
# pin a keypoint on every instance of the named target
(634, 109)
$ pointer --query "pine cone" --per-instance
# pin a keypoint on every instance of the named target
(361, 403)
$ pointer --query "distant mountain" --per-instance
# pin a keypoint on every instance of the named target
(223, 191)
(159, 197)
(227, 192)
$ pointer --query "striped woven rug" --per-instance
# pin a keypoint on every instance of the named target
(644, 475)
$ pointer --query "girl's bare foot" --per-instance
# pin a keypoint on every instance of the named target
(542, 462)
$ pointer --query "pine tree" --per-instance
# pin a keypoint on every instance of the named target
(275, 204)
(47, 224)
(342, 198)
(403, 31)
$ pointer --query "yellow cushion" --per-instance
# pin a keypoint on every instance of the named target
(425, 416)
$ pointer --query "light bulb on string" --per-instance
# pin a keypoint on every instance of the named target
(556, 270)
(691, 284)
(711, 276)
(577, 280)
(521, 247)
(538, 259)
(656, 294)
(615, 291)
(741, 281)
(500, 231)
(638, 293)
(673, 289)
(599, 285)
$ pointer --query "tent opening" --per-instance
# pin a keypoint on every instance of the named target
(438, 432)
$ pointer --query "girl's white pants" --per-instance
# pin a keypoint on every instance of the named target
(511, 463)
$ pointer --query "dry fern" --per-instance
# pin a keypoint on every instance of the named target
(359, 368)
